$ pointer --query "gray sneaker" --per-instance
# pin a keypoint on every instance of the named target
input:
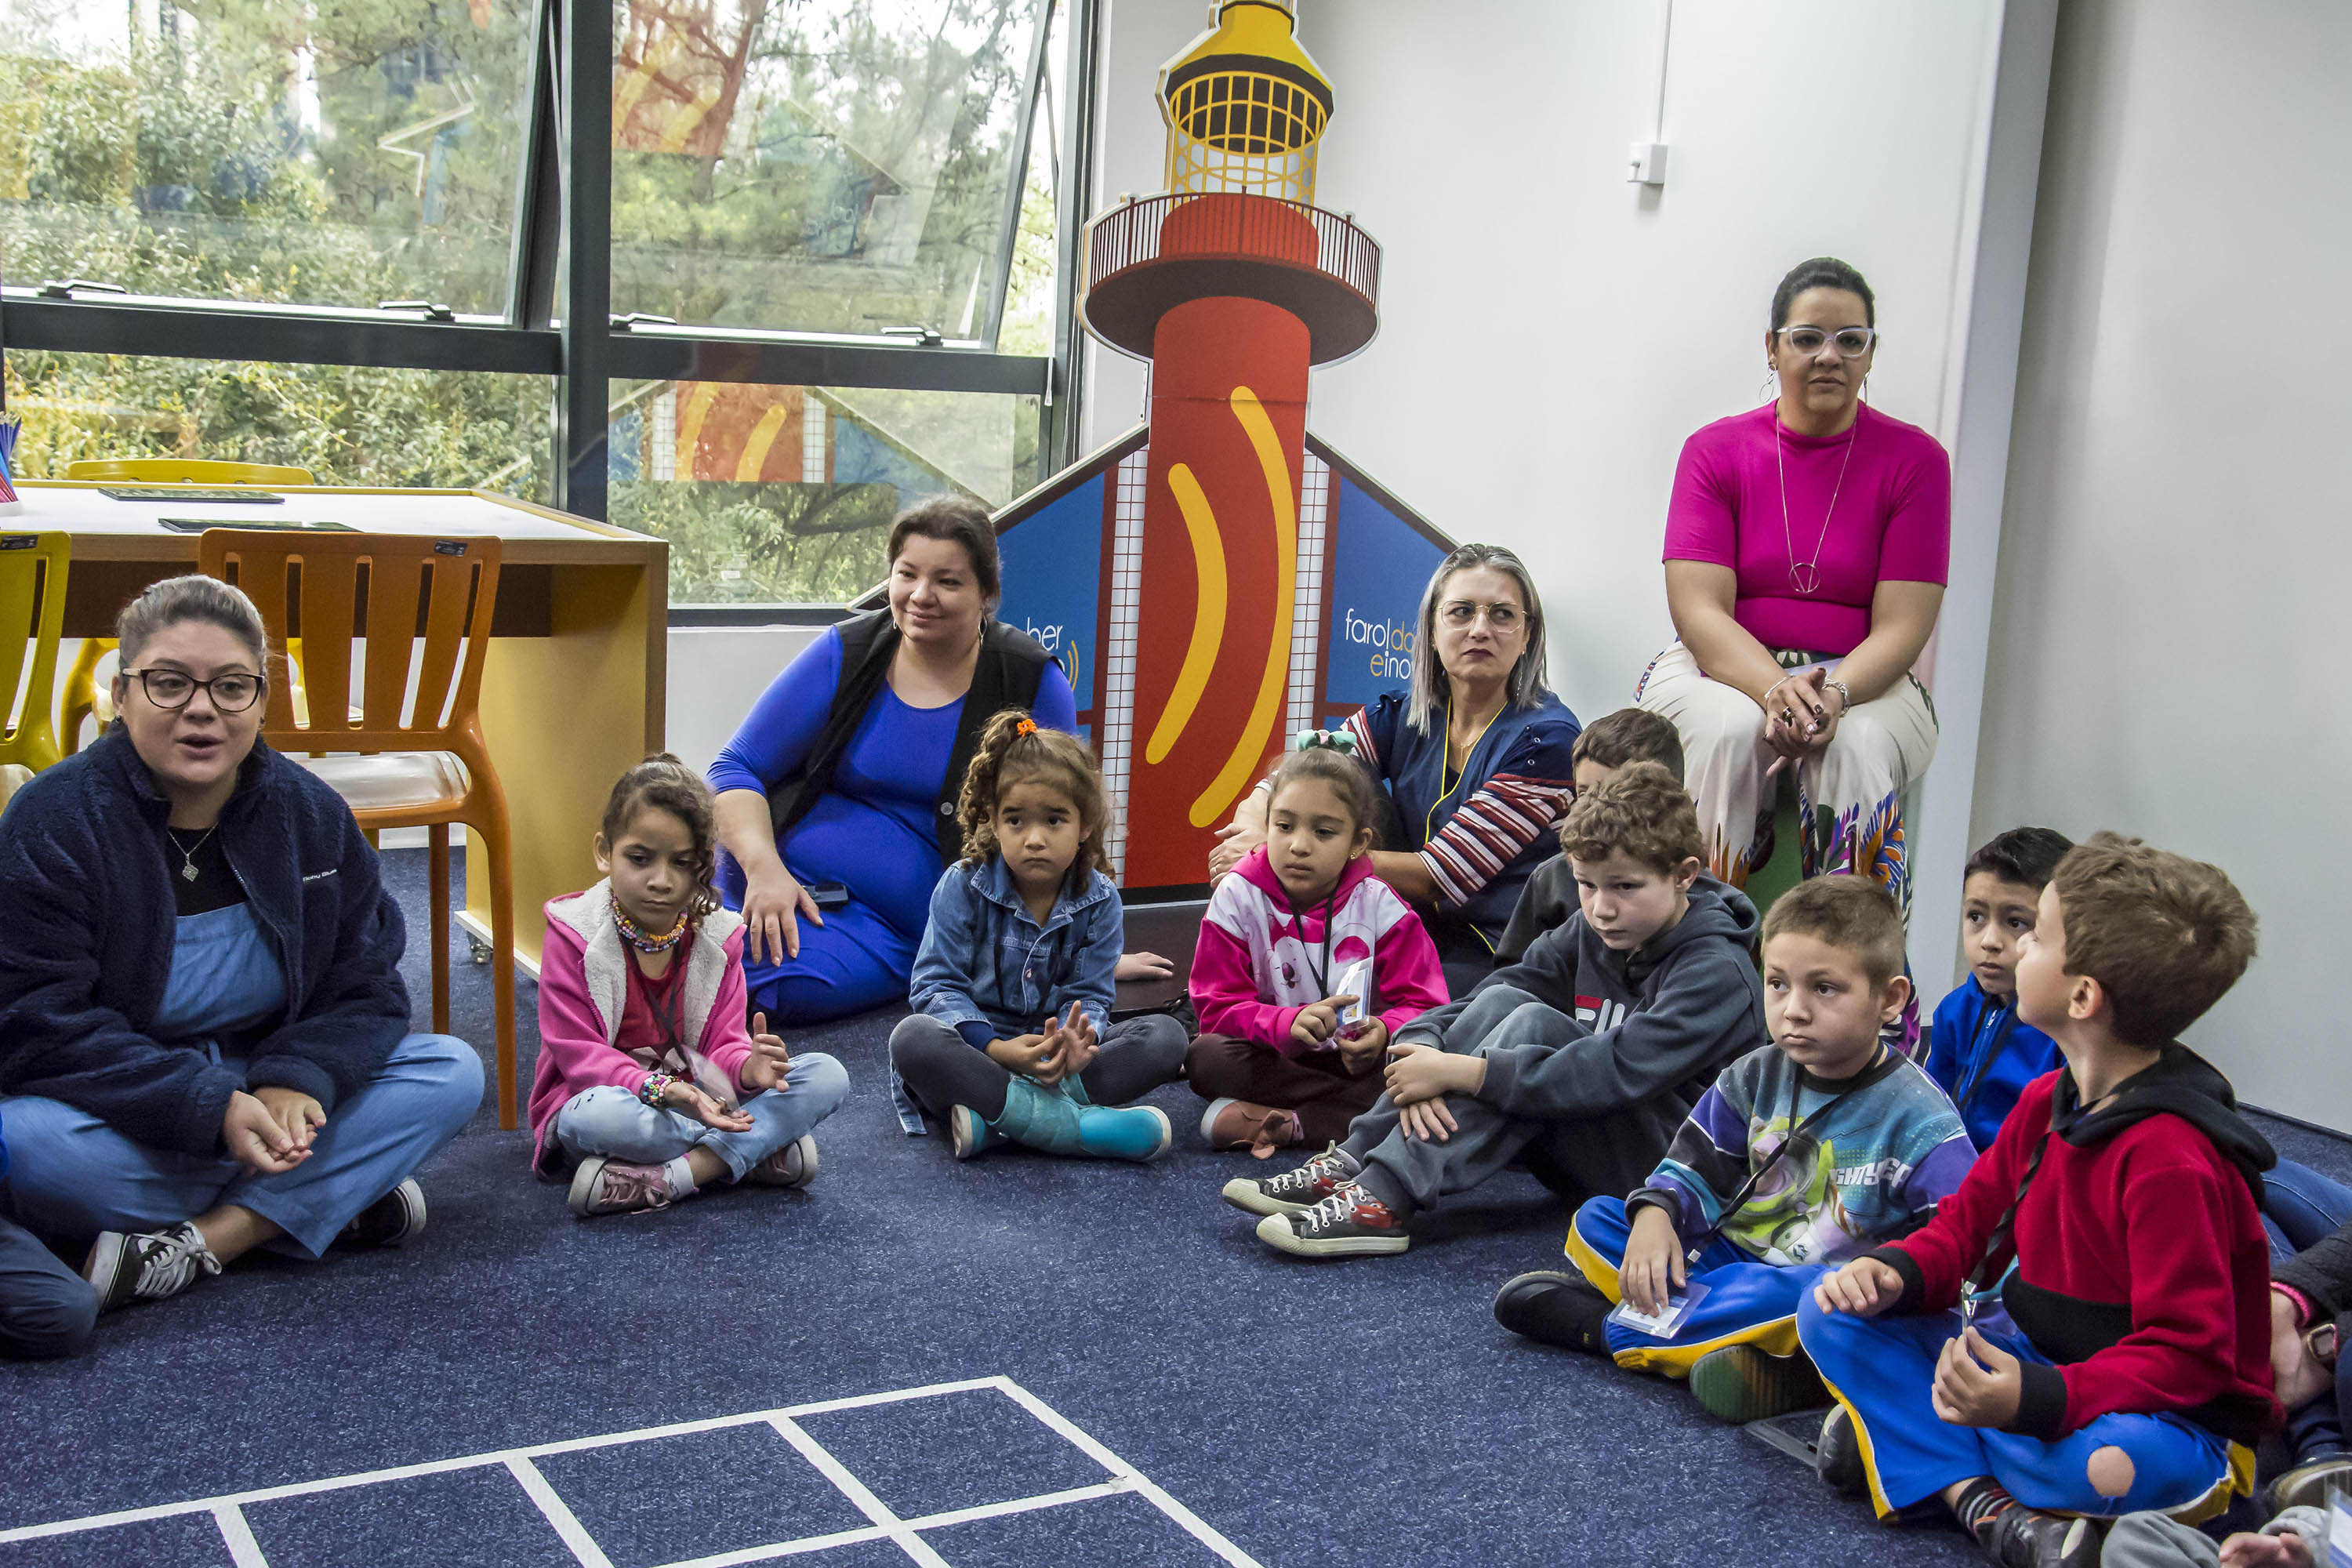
(1294, 1191)
(794, 1165)
(127, 1267)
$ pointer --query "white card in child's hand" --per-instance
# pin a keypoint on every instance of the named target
(2339, 1529)
(1663, 1325)
(1356, 981)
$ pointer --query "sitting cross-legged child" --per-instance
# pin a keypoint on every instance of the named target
(1603, 747)
(2296, 1538)
(1582, 1058)
(1011, 1038)
(1805, 1151)
(1977, 1048)
(648, 1087)
(2113, 1222)
(2311, 1307)
(1275, 1060)
(46, 1308)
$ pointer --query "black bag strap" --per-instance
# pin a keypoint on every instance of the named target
(1011, 668)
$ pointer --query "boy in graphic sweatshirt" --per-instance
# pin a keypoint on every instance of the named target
(1582, 1058)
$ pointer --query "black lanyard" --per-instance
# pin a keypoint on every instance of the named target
(1728, 1211)
(1981, 1067)
(1985, 1274)
(1322, 975)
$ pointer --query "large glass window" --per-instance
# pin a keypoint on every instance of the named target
(347, 425)
(784, 494)
(824, 165)
(329, 152)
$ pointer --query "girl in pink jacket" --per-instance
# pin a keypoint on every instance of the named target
(649, 1086)
(1308, 965)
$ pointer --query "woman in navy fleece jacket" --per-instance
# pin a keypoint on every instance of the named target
(204, 1034)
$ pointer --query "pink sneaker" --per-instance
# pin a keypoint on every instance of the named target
(602, 1186)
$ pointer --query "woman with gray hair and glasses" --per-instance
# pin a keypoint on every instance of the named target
(1472, 755)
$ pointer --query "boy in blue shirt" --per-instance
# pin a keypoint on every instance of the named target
(1803, 1153)
(1977, 1048)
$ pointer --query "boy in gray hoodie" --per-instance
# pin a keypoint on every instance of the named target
(1581, 1059)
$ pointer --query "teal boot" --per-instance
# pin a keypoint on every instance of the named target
(1061, 1123)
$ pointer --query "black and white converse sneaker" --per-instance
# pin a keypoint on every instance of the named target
(147, 1266)
(395, 1217)
(1350, 1223)
(1294, 1192)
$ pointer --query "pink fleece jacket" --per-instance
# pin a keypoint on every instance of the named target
(1255, 967)
(584, 985)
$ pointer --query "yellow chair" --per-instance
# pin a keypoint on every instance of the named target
(85, 699)
(33, 570)
(186, 472)
(411, 753)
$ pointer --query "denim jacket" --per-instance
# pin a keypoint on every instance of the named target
(986, 962)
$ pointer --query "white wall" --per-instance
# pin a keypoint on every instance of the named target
(2171, 642)
(716, 673)
(1549, 333)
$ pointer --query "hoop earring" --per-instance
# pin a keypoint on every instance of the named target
(1770, 391)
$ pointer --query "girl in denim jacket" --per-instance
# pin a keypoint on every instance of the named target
(1010, 1036)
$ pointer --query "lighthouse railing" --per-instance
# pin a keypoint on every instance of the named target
(1260, 229)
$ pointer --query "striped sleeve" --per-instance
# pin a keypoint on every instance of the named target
(1489, 831)
(1368, 752)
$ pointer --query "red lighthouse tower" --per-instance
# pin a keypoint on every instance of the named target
(1232, 284)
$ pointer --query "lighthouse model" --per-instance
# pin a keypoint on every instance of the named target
(1232, 284)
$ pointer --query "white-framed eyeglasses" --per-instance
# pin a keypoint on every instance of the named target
(1853, 343)
(1461, 614)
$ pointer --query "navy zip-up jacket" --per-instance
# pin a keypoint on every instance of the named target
(86, 946)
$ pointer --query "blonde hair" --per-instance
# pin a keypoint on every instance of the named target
(1427, 693)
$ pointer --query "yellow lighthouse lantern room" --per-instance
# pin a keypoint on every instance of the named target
(1244, 105)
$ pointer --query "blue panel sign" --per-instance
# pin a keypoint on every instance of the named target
(1053, 580)
(1379, 565)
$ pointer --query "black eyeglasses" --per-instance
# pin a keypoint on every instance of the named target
(174, 689)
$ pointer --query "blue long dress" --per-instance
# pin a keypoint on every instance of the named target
(872, 832)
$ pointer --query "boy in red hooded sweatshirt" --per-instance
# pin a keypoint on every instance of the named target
(2084, 1328)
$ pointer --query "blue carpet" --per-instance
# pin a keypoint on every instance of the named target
(1367, 1411)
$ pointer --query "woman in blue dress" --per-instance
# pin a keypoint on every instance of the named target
(843, 780)
(1474, 757)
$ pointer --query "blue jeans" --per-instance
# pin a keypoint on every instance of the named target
(1881, 1370)
(2300, 1205)
(613, 1122)
(46, 1308)
(71, 1174)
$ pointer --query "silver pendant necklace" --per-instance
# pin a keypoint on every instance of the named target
(1804, 579)
(188, 871)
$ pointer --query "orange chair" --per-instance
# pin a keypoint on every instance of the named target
(410, 753)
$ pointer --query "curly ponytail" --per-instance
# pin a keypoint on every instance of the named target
(1014, 747)
(662, 783)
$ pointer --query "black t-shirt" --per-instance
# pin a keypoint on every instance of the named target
(213, 886)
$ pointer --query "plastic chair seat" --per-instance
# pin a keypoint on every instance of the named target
(393, 781)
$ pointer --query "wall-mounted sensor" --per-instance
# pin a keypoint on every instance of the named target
(1646, 163)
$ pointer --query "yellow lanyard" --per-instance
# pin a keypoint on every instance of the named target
(1430, 816)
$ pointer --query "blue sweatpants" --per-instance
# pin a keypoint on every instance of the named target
(1881, 1369)
(72, 1174)
(1746, 1302)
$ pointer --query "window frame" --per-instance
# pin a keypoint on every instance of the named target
(563, 210)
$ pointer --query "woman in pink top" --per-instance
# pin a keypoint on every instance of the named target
(1806, 545)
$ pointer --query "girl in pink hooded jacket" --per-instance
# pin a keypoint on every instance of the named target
(1308, 965)
(648, 1086)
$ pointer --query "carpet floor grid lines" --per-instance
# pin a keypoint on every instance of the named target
(258, 1529)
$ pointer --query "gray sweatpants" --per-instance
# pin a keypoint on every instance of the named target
(2152, 1541)
(1606, 1155)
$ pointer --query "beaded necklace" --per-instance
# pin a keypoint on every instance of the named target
(636, 938)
